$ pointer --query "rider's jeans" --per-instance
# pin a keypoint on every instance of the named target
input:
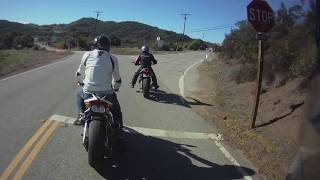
(115, 110)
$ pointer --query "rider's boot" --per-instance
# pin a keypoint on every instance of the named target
(80, 120)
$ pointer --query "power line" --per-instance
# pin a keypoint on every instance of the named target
(197, 29)
(211, 28)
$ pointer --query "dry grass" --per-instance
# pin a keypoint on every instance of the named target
(14, 61)
(125, 51)
(270, 147)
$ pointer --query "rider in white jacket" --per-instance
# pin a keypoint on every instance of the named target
(100, 72)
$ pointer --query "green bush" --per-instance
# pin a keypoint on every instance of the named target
(115, 41)
(243, 73)
(165, 47)
(36, 48)
(289, 49)
(7, 40)
(62, 45)
(23, 41)
(82, 44)
(197, 44)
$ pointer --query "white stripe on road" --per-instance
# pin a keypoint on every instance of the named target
(63, 119)
(176, 134)
(220, 146)
(216, 138)
(151, 132)
(181, 80)
(232, 160)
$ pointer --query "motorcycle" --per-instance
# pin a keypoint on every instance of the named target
(144, 80)
(100, 129)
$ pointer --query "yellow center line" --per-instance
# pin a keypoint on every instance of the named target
(24, 150)
(26, 164)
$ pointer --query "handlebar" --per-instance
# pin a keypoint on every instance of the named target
(140, 64)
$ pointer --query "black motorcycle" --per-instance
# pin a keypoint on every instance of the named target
(100, 130)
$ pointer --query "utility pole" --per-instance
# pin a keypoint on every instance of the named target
(184, 28)
(95, 26)
(184, 24)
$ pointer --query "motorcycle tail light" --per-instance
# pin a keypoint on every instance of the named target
(146, 71)
(98, 103)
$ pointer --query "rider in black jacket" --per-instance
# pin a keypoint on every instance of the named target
(145, 59)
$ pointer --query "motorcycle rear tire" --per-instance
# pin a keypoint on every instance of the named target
(146, 87)
(96, 140)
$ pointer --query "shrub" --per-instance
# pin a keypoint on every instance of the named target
(23, 41)
(115, 41)
(165, 47)
(290, 50)
(197, 44)
(243, 73)
(62, 45)
(82, 44)
(36, 48)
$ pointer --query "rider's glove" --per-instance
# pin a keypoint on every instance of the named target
(80, 83)
(116, 84)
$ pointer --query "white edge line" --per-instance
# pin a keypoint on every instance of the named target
(36, 69)
(220, 146)
(232, 160)
(181, 80)
(152, 132)
(175, 134)
(63, 119)
(216, 138)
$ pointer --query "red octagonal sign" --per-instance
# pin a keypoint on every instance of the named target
(260, 15)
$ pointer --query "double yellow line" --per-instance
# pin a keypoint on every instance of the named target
(46, 131)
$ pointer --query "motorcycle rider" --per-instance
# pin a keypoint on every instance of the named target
(145, 59)
(100, 72)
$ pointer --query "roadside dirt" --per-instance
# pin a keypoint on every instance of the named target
(272, 145)
(33, 59)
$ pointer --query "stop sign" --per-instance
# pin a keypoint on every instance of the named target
(260, 15)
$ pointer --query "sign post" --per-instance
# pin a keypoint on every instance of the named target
(261, 16)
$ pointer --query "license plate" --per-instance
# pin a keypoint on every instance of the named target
(98, 109)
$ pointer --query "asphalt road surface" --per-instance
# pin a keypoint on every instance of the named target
(165, 139)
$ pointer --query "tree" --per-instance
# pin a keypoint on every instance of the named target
(7, 40)
(115, 41)
(289, 50)
(241, 43)
(82, 44)
(23, 41)
(197, 44)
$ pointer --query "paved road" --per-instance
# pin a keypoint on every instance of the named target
(165, 139)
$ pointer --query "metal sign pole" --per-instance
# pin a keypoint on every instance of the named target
(259, 80)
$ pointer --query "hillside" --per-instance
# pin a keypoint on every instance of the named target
(129, 33)
(7, 26)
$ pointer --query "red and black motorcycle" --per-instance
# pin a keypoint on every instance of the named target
(99, 130)
(144, 80)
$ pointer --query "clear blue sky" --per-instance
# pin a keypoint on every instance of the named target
(164, 14)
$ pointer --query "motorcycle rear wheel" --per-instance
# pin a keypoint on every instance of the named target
(146, 87)
(96, 140)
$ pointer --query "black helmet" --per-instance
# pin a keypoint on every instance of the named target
(145, 49)
(101, 43)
